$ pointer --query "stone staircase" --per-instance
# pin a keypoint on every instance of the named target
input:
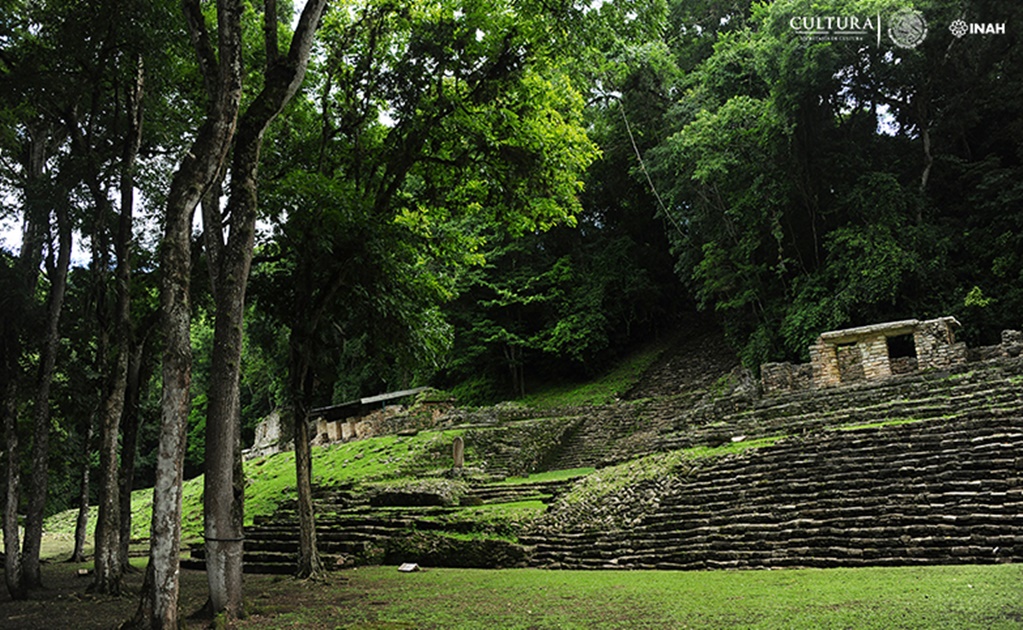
(992, 385)
(349, 530)
(504, 492)
(928, 492)
(618, 432)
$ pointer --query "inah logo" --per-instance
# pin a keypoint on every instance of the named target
(907, 28)
(960, 28)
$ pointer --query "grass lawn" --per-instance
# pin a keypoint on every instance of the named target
(904, 597)
(959, 597)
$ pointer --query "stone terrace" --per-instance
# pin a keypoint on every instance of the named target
(924, 492)
(944, 487)
(938, 482)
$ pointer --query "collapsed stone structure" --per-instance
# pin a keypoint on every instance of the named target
(356, 420)
(878, 351)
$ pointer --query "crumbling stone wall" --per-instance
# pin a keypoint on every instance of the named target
(936, 346)
(268, 438)
(863, 354)
(778, 377)
(1012, 342)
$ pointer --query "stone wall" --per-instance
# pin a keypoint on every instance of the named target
(268, 438)
(824, 367)
(780, 377)
(862, 354)
(1012, 342)
(936, 346)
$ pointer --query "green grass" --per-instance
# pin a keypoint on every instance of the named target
(875, 598)
(603, 390)
(504, 511)
(553, 475)
(876, 425)
(271, 480)
(387, 460)
(730, 448)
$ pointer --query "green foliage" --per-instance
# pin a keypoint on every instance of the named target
(438, 126)
(552, 475)
(547, 306)
(806, 196)
(602, 390)
(976, 298)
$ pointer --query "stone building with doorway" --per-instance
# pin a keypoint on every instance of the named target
(868, 353)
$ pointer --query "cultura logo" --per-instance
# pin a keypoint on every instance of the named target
(907, 28)
(959, 28)
(834, 28)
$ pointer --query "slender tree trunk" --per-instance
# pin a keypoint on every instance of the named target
(129, 448)
(36, 217)
(108, 527)
(107, 575)
(224, 488)
(158, 607)
(82, 522)
(12, 552)
(309, 563)
(313, 304)
(41, 411)
(109, 558)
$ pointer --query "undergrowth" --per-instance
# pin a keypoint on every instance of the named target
(605, 389)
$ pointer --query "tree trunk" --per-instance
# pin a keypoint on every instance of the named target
(224, 488)
(27, 274)
(82, 522)
(109, 557)
(309, 563)
(129, 448)
(41, 410)
(158, 606)
(12, 551)
(108, 525)
(223, 491)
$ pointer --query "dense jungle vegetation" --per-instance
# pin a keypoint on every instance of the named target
(214, 210)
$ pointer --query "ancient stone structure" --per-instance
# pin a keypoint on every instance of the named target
(458, 451)
(869, 353)
(268, 438)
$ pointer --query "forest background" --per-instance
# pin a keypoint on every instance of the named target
(482, 196)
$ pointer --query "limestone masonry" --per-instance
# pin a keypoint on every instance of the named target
(869, 353)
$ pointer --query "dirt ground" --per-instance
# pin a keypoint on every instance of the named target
(65, 604)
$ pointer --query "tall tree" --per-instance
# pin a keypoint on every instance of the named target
(30, 136)
(224, 485)
(435, 120)
(58, 263)
(221, 69)
(818, 184)
(35, 151)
